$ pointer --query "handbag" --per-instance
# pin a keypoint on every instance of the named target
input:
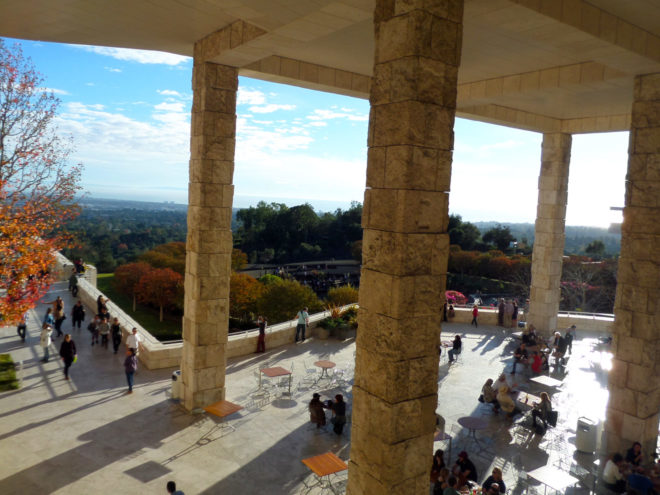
(552, 417)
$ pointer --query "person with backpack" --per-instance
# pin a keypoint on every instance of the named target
(77, 315)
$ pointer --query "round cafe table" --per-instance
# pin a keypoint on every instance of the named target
(325, 366)
(473, 424)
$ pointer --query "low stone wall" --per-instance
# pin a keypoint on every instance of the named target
(588, 322)
(62, 269)
(155, 354)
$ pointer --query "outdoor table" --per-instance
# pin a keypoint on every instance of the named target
(473, 423)
(325, 366)
(275, 372)
(222, 409)
(528, 400)
(547, 381)
(552, 477)
(323, 466)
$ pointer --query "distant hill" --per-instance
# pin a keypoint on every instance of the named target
(577, 238)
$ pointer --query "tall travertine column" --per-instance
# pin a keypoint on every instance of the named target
(209, 241)
(405, 244)
(634, 383)
(545, 291)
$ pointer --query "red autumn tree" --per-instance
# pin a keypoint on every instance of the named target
(160, 287)
(37, 185)
(243, 293)
(127, 277)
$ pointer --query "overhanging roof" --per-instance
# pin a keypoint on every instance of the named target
(544, 65)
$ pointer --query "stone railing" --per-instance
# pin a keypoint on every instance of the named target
(155, 354)
(587, 321)
(63, 266)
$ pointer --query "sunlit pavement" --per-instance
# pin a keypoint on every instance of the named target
(87, 436)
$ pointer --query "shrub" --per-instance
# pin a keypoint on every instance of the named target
(282, 300)
(341, 296)
(269, 279)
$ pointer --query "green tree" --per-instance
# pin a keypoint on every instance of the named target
(500, 236)
(281, 301)
(595, 249)
(463, 234)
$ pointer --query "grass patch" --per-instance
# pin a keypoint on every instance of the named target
(7, 373)
(147, 317)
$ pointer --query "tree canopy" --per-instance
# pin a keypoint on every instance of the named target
(38, 186)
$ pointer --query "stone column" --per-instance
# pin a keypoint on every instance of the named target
(209, 240)
(405, 244)
(545, 291)
(634, 381)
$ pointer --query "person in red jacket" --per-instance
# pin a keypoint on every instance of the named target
(475, 313)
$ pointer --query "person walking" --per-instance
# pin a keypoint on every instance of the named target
(338, 408)
(21, 329)
(46, 332)
(316, 412)
(68, 354)
(500, 313)
(261, 341)
(104, 330)
(514, 315)
(475, 314)
(73, 283)
(303, 321)
(130, 366)
(58, 314)
(115, 330)
(93, 328)
(570, 335)
(48, 317)
(133, 341)
(77, 315)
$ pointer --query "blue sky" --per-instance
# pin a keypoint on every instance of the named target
(129, 114)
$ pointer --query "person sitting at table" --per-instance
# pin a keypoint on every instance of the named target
(559, 346)
(452, 484)
(520, 356)
(316, 412)
(455, 348)
(438, 464)
(506, 402)
(493, 480)
(441, 483)
(464, 469)
(530, 339)
(489, 395)
(542, 410)
(537, 362)
(612, 475)
(634, 454)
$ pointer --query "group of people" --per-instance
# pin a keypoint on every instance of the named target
(507, 313)
(100, 326)
(448, 481)
(535, 352)
(317, 412)
(623, 472)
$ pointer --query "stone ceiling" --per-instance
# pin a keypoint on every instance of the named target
(544, 65)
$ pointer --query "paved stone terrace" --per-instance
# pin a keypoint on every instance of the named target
(88, 436)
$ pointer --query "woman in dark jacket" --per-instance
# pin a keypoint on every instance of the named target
(316, 412)
(130, 366)
(68, 354)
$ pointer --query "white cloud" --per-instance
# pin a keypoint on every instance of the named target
(320, 114)
(112, 69)
(168, 92)
(90, 84)
(170, 107)
(139, 56)
(317, 123)
(53, 90)
(247, 96)
(271, 107)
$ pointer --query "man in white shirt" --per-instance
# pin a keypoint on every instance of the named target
(612, 476)
(133, 340)
(303, 321)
